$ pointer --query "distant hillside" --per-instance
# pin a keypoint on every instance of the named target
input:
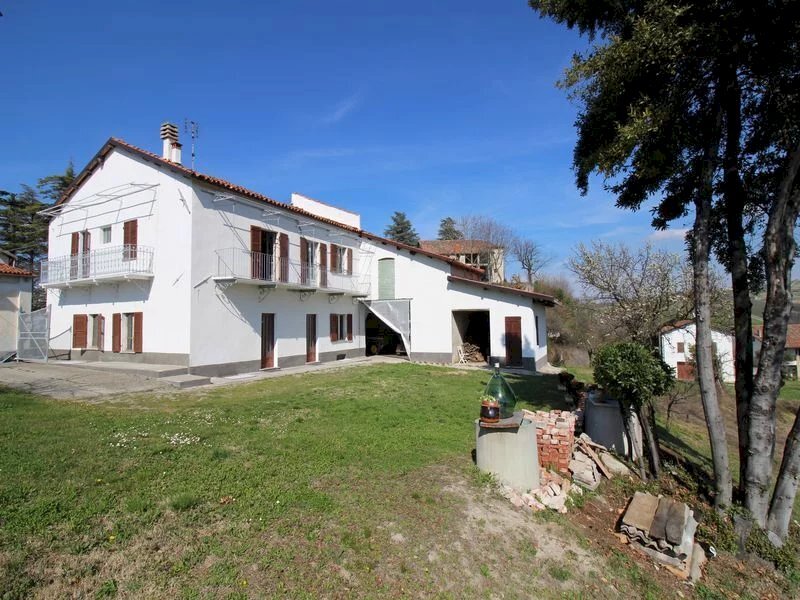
(758, 305)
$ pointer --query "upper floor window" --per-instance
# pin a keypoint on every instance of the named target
(106, 235)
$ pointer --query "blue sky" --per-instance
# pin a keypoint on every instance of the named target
(432, 108)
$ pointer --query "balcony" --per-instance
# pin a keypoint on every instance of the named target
(106, 265)
(238, 266)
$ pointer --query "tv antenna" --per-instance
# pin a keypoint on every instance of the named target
(193, 129)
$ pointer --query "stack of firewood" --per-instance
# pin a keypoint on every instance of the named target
(472, 353)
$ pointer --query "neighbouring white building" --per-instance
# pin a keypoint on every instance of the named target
(16, 286)
(677, 350)
(151, 261)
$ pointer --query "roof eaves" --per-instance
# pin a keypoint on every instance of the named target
(536, 296)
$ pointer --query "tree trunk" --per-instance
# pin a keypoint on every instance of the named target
(704, 356)
(779, 248)
(735, 198)
(780, 510)
(704, 352)
(646, 416)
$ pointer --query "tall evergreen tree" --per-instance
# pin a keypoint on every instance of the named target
(448, 230)
(401, 230)
(696, 103)
(52, 187)
(23, 230)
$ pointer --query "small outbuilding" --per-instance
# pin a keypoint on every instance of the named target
(16, 288)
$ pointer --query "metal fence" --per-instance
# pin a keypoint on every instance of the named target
(104, 262)
(243, 264)
(33, 338)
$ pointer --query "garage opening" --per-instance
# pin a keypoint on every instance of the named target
(382, 339)
(471, 334)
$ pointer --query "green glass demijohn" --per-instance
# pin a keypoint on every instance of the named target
(499, 389)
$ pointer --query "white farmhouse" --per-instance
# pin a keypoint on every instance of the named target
(150, 261)
(677, 350)
(16, 285)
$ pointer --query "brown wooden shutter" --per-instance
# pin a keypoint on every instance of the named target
(80, 325)
(323, 265)
(76, 243)
(255, 247)
(349, 253)
(304, 275)
(283, 244)
(116, 332)
(350, 328)
(130, 238)
(137, 332)
(334, 257)
(101, 326)
(334, 328)
(87, 241)
(255, 239)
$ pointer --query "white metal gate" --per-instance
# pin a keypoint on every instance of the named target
(33, 338)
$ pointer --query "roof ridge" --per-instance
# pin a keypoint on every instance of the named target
(224, 183)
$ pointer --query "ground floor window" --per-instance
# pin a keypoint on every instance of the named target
(341, 327)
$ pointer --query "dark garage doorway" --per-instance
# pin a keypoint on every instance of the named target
(382, 339)
(471, 327)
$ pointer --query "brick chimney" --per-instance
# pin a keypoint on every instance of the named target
(171, 148)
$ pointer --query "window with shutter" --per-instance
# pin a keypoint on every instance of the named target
(283, 244)
(334, 327)
(116, 332)
(137, 332)
(349, 261)
(323, 265)
(130, 239)
(334, 258)
(350, 328)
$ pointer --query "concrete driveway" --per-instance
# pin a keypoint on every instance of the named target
(67, 382)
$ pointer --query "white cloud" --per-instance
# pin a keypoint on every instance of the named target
(668, 235)
(343, 108)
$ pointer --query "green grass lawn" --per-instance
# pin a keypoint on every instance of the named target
(246, 487)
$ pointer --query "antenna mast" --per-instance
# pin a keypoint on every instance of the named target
(193, 129)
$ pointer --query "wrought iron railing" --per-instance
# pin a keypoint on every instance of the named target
(103, 263)
(238, 263)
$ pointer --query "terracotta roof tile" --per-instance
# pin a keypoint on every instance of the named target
(792, 335)
(448, 247)
(13, 271)
(222, 183)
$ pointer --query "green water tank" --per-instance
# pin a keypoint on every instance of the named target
(499, 389)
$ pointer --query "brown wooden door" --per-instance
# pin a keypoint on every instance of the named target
(267, 340)
(685, 371)
(513, 341)
(311, 338)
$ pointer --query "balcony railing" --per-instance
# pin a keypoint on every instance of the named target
(257, 268)
(116, 263)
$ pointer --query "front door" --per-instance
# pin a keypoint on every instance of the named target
(267, 340)
(513, 341)
(311, 338)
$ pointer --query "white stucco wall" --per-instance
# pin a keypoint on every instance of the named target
(164, 223)
(686, 335)
(226, 324)
(434, 298)
(15, 294)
